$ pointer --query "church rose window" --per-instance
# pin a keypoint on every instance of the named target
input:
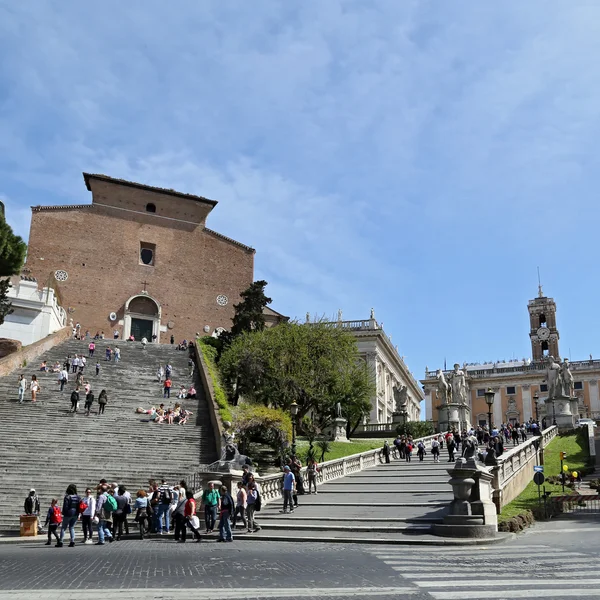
(61, 275)
(222, 300)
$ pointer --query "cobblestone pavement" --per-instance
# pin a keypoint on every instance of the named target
(560, 559)
(166, 570)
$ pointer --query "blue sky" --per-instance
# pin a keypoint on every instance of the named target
(421, 158)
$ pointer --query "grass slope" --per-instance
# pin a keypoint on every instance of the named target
(576, 459)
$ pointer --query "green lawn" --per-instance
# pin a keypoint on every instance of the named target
(576, 459)
(339, 449)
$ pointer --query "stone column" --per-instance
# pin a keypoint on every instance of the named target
(527, 411)
(497, 411)
(594, 398)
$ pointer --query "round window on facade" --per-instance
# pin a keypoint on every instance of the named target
(222, 300)
(147, 256)
(61, 275)
(151, 207)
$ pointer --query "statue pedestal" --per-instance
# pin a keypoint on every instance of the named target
(560, 408)
(454, 416)
(399, 418)
(339, 429)
(472, 514)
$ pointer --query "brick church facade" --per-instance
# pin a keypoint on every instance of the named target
(139, 259)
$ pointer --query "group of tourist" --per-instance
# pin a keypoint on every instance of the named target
(479, 442)
(103, 511)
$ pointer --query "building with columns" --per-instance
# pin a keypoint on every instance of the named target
(518, 384)
(388, 368)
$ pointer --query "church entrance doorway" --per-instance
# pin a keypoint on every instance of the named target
(142, 318)
(141, 328)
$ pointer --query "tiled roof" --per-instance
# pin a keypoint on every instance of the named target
(141, 186)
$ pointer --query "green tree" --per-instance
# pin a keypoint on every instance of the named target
(12, 255)
(314, 365)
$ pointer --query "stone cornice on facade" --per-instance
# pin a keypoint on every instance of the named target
(149, 188)
(230, 240)
(393, 356)
(60, 207)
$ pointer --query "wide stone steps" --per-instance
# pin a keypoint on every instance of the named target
(46, 447)
(388, 503)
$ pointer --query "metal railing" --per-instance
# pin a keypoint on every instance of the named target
(576, 504)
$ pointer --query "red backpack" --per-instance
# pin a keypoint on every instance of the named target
(56, 516)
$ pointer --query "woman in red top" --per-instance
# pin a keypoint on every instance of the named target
(189, 513)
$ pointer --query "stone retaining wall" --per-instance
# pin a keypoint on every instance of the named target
(15, 361)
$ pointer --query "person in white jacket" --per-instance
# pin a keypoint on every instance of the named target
(87, 515)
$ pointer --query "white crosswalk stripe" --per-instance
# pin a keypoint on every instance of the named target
(534, 571)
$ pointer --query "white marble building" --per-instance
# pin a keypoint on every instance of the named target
(36, 313)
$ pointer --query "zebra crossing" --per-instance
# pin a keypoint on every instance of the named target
(461, 573)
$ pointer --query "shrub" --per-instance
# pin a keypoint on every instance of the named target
(417, 429)
(271, 426)
(209, 353)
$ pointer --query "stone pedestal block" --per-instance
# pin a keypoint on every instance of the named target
(339, 430)
(560, 408)
(472, 513)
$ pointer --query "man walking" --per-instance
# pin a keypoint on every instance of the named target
(288, 489)
(63, 378)
(165, 496)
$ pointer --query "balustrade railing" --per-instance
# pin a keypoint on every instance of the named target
(512, 463)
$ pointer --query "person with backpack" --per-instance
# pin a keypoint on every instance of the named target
(165, 496)
(89, 400)
(421, 451)
(227, 509)
(102, 402)
(211, 500)
(106, 505)
(120, 513)
(435, 450)
(53, 520)
(87, 509)
(450, 445)
(408, 451)
(74, 400)
(253, 506)
(70, 513)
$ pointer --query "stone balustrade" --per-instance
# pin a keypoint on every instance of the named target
(515, 467)
(270, 485)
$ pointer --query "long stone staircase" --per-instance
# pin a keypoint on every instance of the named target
(388, 503)
(46, 447)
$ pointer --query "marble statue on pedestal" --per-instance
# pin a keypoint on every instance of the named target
(458, 385)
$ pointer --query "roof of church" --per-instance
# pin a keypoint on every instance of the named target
(141, 186)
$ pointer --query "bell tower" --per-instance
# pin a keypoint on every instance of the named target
(543, 333)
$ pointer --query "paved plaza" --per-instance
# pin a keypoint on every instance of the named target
(537, 564)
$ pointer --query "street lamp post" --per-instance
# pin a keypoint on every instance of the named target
(536, 399)
(489, 398)
(294, 413)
